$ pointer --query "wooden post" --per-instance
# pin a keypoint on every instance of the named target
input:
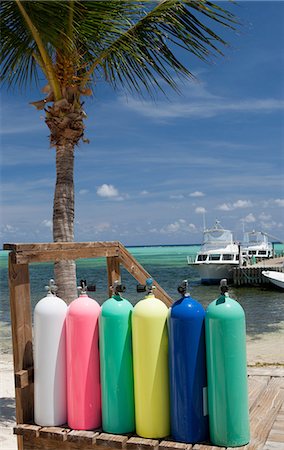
(21, 322)
(141, 275)
(113, 271)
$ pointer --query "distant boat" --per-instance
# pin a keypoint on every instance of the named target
(218, 255)
(256, 245)
(274, 277)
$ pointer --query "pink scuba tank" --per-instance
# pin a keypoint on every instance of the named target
(83, 369)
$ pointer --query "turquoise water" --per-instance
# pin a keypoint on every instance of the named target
(264, 307)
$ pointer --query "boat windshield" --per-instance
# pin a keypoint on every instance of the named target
(217, 238)
(255, 238)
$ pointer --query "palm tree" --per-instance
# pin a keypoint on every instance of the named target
(75, 43)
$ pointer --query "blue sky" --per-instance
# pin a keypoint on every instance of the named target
(154, 170)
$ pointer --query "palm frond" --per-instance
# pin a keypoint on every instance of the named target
(128, 43)
(145, 45)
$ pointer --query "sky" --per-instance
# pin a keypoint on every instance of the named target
(156, 172)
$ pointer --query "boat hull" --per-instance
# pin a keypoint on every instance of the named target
(276, 278)
(213, 273)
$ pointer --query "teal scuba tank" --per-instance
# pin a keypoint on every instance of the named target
(225, 332)
(116, 364)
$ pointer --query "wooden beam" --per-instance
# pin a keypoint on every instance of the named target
(138, 443)
(24, 378)
(21, 323)
(28, 253)
(111, 440)
(113, 272)
(141, 275)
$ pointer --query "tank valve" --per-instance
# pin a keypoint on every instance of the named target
(117, 287)
(183, 288)
(146, 287)
(224, 286)
(83, 288)
(51, 288)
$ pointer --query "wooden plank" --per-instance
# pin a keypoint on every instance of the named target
(49, 444)
(27, 430)
(21, 321)
(276, 434)
(256, 385)
(138, 443)
(207, 447)
(170, 445)
(54, 433)
(24, 378)
(52, 246)
(272, 371)
(32, 256)
(263, 414)
(273, 446)
(111, 440)
(141, 275)
(82, 437)
(113, 272)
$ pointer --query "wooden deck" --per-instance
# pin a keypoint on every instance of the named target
(252, 275)
(266, 402)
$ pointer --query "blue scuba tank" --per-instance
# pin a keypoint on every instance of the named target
(187, 360)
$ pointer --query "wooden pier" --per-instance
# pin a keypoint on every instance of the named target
(252, 274)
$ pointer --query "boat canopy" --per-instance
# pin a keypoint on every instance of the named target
(216, 237)
(255, 238)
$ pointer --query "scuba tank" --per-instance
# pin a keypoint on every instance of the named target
(150, 362)
(225, 331)
(188, 380)
(50, 408)
(116, 363)
(83, 362)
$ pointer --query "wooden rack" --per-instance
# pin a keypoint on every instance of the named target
(266, 386)
(29, 435)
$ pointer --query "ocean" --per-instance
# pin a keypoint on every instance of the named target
(264, 307)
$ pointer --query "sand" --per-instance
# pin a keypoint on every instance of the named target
(265, 349)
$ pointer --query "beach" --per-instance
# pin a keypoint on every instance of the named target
(267, 350)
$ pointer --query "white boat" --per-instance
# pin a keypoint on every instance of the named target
(218, 255)
(256, 245)
(274, 277)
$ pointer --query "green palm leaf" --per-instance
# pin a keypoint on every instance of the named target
(128, 43)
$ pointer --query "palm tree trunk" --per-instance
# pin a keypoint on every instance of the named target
(63, 220)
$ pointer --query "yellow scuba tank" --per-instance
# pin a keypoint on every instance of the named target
(150, 363)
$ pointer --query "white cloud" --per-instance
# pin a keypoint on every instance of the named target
(249, 218)
(107, 191)
(264, 217)
(196, 194)
(102, 226)
(202, 106)
(224, 207)
(279, 201)
(144, 192)
(83, 191)
(176, 197)
(200, 210)
(9, 228)
(179, 226)
(239, 204)
(47, 223)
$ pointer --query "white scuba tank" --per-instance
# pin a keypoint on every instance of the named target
(50, 404)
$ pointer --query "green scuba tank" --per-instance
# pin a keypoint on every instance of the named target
(225, 331)
(118, 414)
